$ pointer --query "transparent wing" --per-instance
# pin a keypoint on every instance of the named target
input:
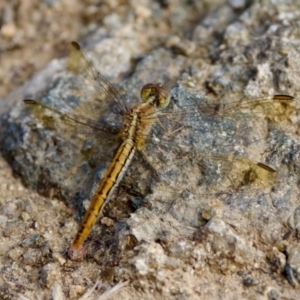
(82, 107)
(282, 110)
(234, 173)
(91, 85)
(204, 179)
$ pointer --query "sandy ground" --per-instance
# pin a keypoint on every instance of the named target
(181, 245)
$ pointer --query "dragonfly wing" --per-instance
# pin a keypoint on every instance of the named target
(89, 108)
(240, 173)
(92, 85)
(83, 132)
(281, 110)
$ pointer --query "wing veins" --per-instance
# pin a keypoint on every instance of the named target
(83, 67)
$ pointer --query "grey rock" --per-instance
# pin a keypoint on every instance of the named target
(292, 268)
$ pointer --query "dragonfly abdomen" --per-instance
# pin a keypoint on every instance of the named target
(110, 181)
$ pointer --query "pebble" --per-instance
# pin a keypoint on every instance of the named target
(32, 256)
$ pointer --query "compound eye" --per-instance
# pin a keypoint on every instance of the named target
(163, 96)
(147, 90)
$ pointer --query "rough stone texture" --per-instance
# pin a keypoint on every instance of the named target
(215, 226)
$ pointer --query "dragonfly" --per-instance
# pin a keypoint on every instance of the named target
(137, 123)
(103, 112)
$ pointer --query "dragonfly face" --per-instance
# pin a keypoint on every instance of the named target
(158, 91)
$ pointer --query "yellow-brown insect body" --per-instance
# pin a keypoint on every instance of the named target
(137, 124)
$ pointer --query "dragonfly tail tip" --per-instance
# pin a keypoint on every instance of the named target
(77, 254)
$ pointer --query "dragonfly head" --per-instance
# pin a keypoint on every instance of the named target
(156, 92)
